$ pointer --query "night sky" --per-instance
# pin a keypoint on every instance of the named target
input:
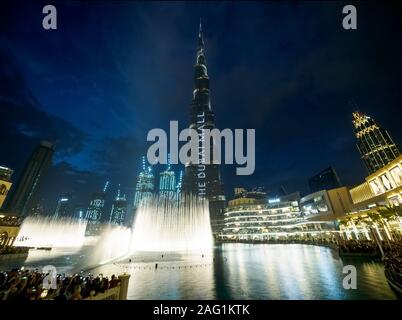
(113, 71)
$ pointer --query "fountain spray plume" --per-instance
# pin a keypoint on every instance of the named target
(50, 232)
(165, 224)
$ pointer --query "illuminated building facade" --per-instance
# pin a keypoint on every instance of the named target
(167, 183)
(36, 167)
(145, 185)
(63, 208)
(79, 213)
(5, 183)
(383, 187)
(248, 218)
(325, 180)
(375, 145)
(9, 228)
(95, 211)
(326, 204)
(119, 210)
(377, 206)
(204, 180)
(179, 186)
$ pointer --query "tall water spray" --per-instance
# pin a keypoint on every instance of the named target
(113, 243)
(50, 232)
(163, 224)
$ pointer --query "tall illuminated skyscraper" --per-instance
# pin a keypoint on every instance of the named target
(375, 145)
(63, 208)
(145, 184)
(204, 180)
(167, 182)
(21, 197)
(179, 186)
(95, 210)
(119, 209)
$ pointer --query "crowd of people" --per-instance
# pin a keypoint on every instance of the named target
(359, 247)
(393, 264)
(20, 284)
(13, 250)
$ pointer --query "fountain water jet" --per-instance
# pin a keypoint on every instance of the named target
(163, 224)
(112, 244)
(48, 232)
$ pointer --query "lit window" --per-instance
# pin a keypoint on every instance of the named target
(388, 184)
(376, 187)
(397, 175)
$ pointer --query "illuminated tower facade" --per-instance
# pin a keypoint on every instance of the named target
(167, 182)
(95, 210)
(119, 209)
(375, 145)
(203, 179)
(63, 208)
(145, 184)
(179, 186)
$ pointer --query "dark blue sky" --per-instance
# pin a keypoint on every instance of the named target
(114, 70)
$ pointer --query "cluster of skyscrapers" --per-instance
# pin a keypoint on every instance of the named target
(375, 145)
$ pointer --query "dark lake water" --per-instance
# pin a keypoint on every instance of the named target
(237, 271)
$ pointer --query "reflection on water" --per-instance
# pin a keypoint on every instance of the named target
(240, 271)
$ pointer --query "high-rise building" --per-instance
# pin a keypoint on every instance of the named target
(5, 183)
(325, 180)
(179, 186)
(34, 170)
(203, 179)
(63, 208)
(95, 211)
(255, 193)
(38, 208)
(79, 212)
(119, 209)
(375, 145)
(145, 184)
(167, 182)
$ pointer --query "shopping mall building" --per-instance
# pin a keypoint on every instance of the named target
(249, 217)
(371, 209)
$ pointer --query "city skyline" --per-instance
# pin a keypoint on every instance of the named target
(221, 152)
(325, 112)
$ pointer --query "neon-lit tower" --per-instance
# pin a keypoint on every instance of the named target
(167, 182)
(179, 186)
(119, 209)
(145, 184)
(375, 145)
(95, 210)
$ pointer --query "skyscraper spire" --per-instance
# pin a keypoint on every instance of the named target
(169, 163)
(106, 186)
(203, 180)
(118, 192)
(200, 34)
(200, 31)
